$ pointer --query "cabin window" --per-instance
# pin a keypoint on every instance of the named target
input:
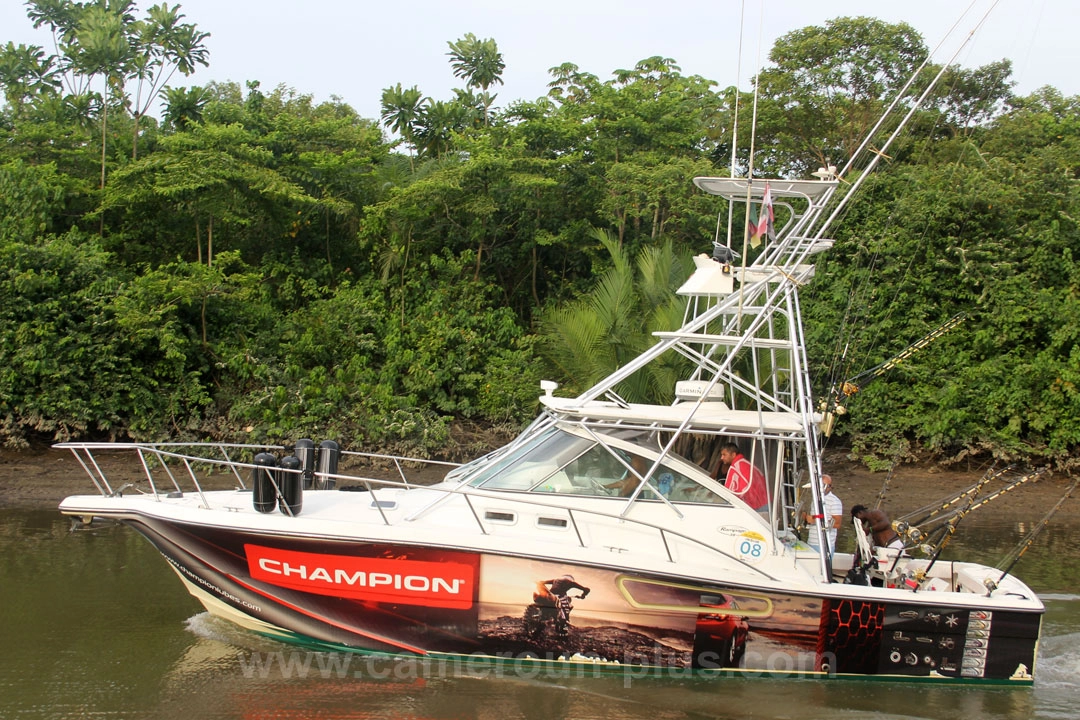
(500, 517)
(604, 472)
(563, 463)
(551, 522)
(533, 463)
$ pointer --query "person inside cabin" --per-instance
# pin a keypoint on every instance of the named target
(878, 523)
(628, 483)
(743, 478)
(834, 515)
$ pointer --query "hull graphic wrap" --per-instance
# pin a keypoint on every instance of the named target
(399, 581)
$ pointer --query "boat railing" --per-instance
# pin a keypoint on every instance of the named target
(158, 454)
(399, 462)
(165, 456)
(468, 493)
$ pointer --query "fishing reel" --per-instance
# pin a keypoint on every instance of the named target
(910, 534)
(914, 538)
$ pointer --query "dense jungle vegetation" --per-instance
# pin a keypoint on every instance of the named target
(253, 265)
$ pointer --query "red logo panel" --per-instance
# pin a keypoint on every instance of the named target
(405, 582)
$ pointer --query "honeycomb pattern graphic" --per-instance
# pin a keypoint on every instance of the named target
(852, 635)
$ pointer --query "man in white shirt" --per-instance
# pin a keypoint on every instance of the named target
(834, 514)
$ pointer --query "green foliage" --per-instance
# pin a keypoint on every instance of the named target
(453, 330)
(50, 347)
(828, 87)
(590, 338)
(992, 234)
(264, 266)
(347, 367)
(87, 350)
(29, 198)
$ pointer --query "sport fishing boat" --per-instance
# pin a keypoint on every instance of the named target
(600, 537)
(603, 538)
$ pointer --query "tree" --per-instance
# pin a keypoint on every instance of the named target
(214, 176)
(602, 330)
(62, 19)
(973, 97)
(26, 74)
(100, 45)
(439, 122)
(183, 106)
(480, 64)
(827, 87)
(986, 224)
(30, 196)
(163, 46)
(401, 112)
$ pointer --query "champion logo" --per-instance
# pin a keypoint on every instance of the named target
(405, 582)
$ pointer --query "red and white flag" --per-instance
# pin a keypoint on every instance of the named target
(763, 226)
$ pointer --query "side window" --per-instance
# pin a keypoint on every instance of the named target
(676, 487)
(599, 472)
(534, 463)
(595, 472)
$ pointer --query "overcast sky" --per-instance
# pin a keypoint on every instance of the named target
(355, 48)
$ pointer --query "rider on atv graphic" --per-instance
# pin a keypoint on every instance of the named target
(551, 605)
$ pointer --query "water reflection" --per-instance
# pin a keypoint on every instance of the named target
(98, 625)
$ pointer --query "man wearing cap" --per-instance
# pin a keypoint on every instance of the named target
(834, 514)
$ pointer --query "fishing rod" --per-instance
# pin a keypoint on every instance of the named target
(942, 505)
(832, 407)
(1008, 488)
(972, 503)
(948, 528)
(992, 585)
(855, 383)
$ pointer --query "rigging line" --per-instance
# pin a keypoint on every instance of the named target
(877, 155)
(750, 166)
(837, 369)
(898, 287)
(954, 169)
(734, 128)
(900, 94)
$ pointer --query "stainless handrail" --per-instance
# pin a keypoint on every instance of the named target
(466, 491)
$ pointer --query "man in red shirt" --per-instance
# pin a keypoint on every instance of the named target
(743, 478)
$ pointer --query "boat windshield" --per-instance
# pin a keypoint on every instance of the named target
(560, 462)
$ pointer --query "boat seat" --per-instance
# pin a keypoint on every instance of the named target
(878, 563)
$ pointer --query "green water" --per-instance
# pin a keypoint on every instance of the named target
(96, 625)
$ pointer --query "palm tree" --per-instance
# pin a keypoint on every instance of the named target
(401, 110)
(602, 330)
(480, 64)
